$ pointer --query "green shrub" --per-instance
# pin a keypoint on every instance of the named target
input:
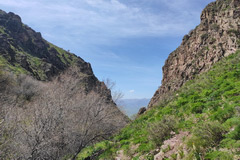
(215, 27)
(204, 36)
(197, 107)
(222, 114)
(149, 157)
(230, 143)
(218, 155)
(145, 147)
(207, 135)
(235, 134)
(159, 131)
(238, 42)
(135, 158)
(230, 31)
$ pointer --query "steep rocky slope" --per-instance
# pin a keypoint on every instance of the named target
(217, 36)
(51, 103)
(27, 52)
(24, 51)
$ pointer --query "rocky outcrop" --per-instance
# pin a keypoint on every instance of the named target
(141, 111)
(217, 36)
(20, 45)
(173, 146)
(25, 51)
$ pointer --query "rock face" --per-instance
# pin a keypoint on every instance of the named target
(217, 36)
(142, 110)
(172, 146)
(24, 51)
(23, 47)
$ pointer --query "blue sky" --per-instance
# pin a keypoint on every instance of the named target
(127, 41)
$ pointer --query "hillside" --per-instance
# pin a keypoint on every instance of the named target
(217, 36)
(51, 103)
(25, 51)
(200, 122)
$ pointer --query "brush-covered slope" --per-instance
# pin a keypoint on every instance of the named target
(51, 103)
(217, 36)
(202, 121)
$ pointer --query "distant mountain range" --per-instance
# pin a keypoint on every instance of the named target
(131, 106)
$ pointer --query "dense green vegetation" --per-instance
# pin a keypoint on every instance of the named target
(208, 107)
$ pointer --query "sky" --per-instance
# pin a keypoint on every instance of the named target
(126, 41)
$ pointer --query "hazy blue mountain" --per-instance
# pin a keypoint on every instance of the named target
(131, 106)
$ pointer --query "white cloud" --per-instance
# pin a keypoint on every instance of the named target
(131, 91)
(92, 22)
(18, 3)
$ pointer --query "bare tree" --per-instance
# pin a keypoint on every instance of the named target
(59, 119)
(116, 94)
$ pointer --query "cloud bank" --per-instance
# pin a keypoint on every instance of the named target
(102, 21)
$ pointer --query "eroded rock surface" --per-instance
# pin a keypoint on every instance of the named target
(217, 36)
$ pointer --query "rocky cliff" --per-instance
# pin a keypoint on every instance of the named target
(217, 36)
(24, 51)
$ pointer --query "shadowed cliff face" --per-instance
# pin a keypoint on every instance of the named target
(217, 36)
